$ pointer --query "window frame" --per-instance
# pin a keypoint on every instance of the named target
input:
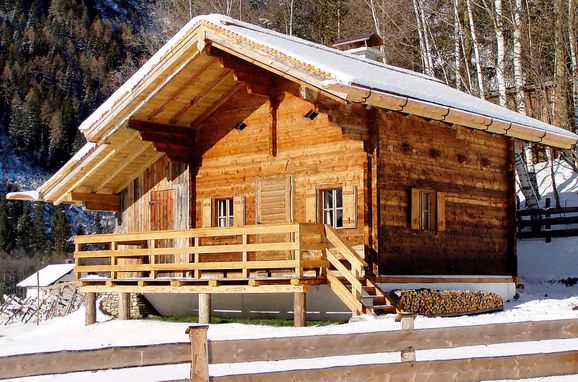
(334, 209)
(427, 210)
(228, 218)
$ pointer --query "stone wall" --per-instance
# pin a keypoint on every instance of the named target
(139, 306)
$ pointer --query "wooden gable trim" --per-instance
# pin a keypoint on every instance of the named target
(97, 202)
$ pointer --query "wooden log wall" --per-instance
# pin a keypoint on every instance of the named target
(316, 154)
(475, 171)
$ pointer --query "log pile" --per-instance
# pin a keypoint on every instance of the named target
(430, 302)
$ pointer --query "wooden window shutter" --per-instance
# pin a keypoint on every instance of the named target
(239, 211)
(349, 207)
(441, 211)
(415, 208)
(207, 212)
(311, 205)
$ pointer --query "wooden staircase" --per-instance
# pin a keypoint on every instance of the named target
(347, 278)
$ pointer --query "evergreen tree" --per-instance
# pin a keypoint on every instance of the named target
(60, 232)
(37, 239)
(23, 228)
(6, 233)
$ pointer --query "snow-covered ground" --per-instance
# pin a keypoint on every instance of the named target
(542, 298)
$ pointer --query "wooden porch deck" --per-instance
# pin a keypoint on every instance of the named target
(284, 258)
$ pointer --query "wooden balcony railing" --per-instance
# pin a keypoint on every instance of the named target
(290, 251)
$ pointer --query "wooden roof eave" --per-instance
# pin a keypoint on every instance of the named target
(168, 63)
(277, 66)
(408, 105)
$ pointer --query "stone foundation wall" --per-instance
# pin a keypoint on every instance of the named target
(139, 306)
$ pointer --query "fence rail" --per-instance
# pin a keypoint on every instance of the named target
(540, 221)
(201, 351)
(199, 253)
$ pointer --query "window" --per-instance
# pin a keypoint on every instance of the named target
(224, 216)
(428, 210)
(332, 207)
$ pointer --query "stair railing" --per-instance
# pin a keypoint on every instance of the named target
(350, 266)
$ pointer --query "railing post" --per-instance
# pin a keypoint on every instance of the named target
(199, 353)
(153, 258)
(196, 272)
(113, 261)
(298, 254)
(407, 324)
(245, 256)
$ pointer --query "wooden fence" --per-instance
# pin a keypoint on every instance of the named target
(200, 352)
(537, 223)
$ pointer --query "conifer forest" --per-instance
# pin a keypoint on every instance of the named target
(60, 59)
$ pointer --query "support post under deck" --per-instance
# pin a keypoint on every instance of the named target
(90, 308)
(124, 306)
(204, 308)
(299, 309)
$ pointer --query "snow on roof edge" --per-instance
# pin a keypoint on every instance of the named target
(47, 275)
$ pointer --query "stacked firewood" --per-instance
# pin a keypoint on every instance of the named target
(429, 302)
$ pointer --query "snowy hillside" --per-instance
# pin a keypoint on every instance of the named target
(557, 260)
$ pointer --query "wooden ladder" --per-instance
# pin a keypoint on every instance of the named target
(346, 278)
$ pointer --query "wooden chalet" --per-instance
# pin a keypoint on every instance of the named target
(242, 160)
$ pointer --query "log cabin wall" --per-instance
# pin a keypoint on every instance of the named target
(472, 170)
(317, 154)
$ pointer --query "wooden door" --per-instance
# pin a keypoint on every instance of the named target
(274, 205)
(162, 214)
(274, 200)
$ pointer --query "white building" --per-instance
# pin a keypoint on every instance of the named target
(46, 277)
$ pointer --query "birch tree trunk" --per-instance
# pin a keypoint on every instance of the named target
(560, 75)
(291, 4)
(457, 47)
(476, 49)
(500, 52)
(517, 58)
(425, 48)
(573, 60)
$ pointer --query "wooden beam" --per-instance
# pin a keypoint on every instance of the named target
(299, 309)
(104, 202)
(204, 308)
(181, 89)
(124, 306)
(217, 104)
(125, 163)
(90, 308)
(160, 129)
(195, 101)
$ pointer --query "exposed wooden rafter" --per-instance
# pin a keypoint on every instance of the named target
(217, 104)
(182, 88)
(98, 202)
(224, 77)
(177, 142)
(123, 165)
(259, 81)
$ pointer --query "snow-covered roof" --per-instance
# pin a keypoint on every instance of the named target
(351, 77)
(47, 275)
